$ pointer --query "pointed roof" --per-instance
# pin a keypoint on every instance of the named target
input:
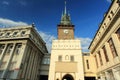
(65, 18)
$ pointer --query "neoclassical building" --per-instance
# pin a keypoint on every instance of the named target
(21, 53)
(105, 47)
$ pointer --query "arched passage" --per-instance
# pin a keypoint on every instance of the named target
(67, 77)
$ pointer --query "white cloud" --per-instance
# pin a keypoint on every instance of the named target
(8, 23)
(85, 42)
(108, 0)
(48, 39)
(5, 3)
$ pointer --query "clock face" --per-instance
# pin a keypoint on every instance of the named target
(65, 31)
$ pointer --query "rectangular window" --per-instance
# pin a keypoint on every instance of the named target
(18, 48)
(1, 48)
(112, 48)
(118, 33)
(100, 58)
(96, 61)
(87, 62)
(105, 54)
(72, 58)
(60, 58)
(9, 49)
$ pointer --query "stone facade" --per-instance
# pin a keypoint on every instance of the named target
(21, 52)
(105, 46)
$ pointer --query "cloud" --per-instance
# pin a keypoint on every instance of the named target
(85, 42)
(48, 39)
(8, 23)
(5, 3)
(109, 1)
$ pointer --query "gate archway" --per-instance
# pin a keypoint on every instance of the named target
(68, 77)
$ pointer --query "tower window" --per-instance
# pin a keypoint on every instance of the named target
(72, 58)
(60, 58)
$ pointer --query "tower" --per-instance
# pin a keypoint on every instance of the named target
(65, 28)
(66, 56)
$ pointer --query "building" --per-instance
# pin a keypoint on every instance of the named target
(105, 47)
(89, 66)
(21, 53)
(44, 69)
(66, 56)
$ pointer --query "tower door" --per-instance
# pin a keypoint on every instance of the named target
(68, 77)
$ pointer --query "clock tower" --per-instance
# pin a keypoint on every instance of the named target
(66, 61)
(65, 28)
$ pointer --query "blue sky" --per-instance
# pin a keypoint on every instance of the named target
(86, 15)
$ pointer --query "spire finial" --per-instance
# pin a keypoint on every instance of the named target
(65, 8)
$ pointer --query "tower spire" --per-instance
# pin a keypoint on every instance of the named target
(65, 18)
(65, 12)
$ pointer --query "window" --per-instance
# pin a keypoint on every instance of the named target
(1, 34)
(87, 62)
(105, 54)
(112, 48)
(23, 33)
(112, 13)
(66, 57)
(9, 49)
(118, 33)
(59, 58)
(1, 47)
(100, 58)
(15, 33)
(18, 48)
(72, 58)
(7, 34)
(96, 61)
(46, 61)
(3, 65)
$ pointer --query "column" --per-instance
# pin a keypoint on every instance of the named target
(108, 51)
(98, 60)
(102, 76)
(103, 57)
(9, 61)
(107, 75)
(116, 42)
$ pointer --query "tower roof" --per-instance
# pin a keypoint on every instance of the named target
(65, 18)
